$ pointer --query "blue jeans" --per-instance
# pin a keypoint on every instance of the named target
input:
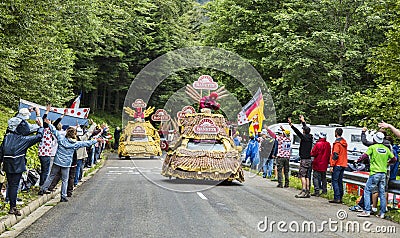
(379, 180)
(64, 178)
(78, 171)
(337, 182)
(13, 180)
(268, 167)
(44, 168)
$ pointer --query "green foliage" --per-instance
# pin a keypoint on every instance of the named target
(380, 102)
(312, 54)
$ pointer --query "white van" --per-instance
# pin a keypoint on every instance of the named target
(350, 133)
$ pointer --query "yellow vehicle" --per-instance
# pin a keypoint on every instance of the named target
(203, 151)
(139, 139)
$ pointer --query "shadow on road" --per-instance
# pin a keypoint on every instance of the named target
(200, 182)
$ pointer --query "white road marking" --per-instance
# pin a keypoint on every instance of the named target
(201, 195)
(112, 167)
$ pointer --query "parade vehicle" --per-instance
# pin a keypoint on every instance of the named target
(204, 149)
(139, 138)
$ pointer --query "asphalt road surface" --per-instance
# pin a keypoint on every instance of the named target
(129, 198)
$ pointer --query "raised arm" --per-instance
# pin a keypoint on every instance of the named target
(364, 138)
(385, 125)
(298, 133)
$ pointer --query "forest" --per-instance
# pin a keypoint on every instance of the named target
(336, 61)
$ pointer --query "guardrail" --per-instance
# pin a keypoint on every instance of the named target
(348, 178)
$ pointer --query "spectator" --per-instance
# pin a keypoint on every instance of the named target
(45, 149)
(252, 150)
(338, 163)
(284, 149)
(15, 146)
(82, 152)
(269, 165)
(266, 145)
(306, 141)
(379, 155)
(321, 153)
(63, 159)
(117, 136)
(237, 139)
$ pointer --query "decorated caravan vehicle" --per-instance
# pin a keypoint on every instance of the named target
(204, 150)
(139, 138)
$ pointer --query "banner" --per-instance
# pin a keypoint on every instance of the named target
(73, 116)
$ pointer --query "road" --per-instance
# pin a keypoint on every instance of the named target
(129, 198)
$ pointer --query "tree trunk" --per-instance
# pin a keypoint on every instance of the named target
(93, 100)
(103, 103)
(117, 101)
(109, 99)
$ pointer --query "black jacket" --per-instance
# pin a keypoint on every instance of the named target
(305, 143)
(15, 147)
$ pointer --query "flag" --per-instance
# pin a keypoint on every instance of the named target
(253, 112)
(77, 101)
(72, 117)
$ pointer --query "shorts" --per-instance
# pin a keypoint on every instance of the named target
(305, 168)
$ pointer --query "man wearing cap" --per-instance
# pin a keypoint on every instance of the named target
(338, 163)
(282, 137)
(321, 153)
(379, 156)
(306, 142)
(20, 120)
(15, 145)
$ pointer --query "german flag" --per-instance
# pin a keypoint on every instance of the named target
(253, 112)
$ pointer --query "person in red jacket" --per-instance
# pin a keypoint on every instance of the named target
(321, 153)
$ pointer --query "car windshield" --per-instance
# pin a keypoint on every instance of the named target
(205, 145)
(139, 139)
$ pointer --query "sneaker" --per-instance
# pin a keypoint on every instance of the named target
(374, 209)
(335, 201)
(14, 211)
(41, 192)
(363, 214)
(279, 186)
(64, 200)
(301, 194)
(382, 216)
(315, 194)
(286, 185)
(356, 208)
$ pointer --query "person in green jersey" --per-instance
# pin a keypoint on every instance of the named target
(379, 156)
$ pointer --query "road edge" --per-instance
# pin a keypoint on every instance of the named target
(11, 220)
